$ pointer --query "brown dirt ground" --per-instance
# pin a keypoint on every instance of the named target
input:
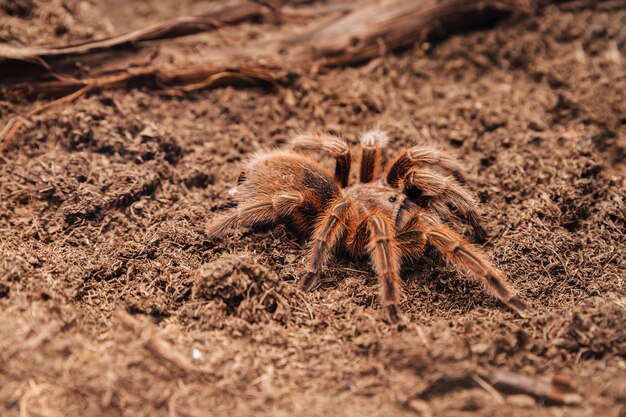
(113, 303)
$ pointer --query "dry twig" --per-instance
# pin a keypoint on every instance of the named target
(558, 390)
(359, 31)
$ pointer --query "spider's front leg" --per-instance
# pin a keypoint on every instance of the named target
(329, 229)
(410, 240)
(385, 256)
(444, 190)
(419, 156)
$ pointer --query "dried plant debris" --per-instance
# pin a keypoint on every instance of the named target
(235, 285)
(598, 331)
(559, 389)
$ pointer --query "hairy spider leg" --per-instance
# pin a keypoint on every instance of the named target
(329, 229)
(372, 144)
(426, 183)
(329, 144)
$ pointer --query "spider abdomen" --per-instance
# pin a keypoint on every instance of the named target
(272, 174)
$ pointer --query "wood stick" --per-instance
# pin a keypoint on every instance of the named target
(16, 123)
(392, 23)
(180, 26)
(358, 31)
(558, 390)
(356, 34)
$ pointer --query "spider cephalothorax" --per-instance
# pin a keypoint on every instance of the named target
(388, 217)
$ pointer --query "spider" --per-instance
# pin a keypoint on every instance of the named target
(388, 216)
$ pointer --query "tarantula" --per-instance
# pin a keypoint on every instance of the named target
(388, 217)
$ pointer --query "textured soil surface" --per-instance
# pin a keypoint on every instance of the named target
(113, 302)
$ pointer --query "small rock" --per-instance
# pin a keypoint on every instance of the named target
(196, 354)
(420, 407)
